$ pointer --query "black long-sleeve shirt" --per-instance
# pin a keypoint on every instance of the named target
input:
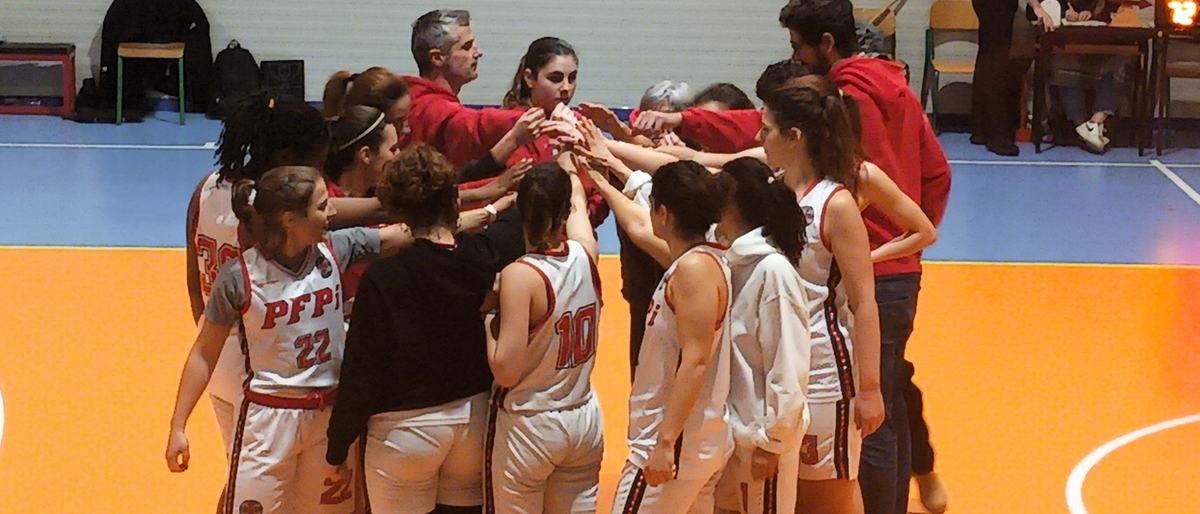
(416, 336)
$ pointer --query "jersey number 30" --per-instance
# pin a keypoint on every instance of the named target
(577, 336)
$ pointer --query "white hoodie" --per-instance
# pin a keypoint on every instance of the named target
(771, 347)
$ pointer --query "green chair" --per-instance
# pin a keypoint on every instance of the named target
(147, 51)
(952, 16)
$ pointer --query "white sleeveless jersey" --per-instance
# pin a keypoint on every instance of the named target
(831, 375)
(562, 345)
(293, 326)
(706, 436)
(216, 242)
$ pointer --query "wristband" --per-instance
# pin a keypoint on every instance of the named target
(491, 210)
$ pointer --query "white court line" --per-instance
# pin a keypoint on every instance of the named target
(1055, 163)
(1187, 189)
(1075, 481)
(206, 146)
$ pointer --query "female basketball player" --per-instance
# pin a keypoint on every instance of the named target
(376, 87)
(416, 375)
(769, 329)
(285, 293)
(545, 441)
(808, 135)
(678, 434)
(260, 134)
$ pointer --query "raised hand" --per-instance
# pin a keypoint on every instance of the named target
(654, 122)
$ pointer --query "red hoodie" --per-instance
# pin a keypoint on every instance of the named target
(896, 136)
(461, 133)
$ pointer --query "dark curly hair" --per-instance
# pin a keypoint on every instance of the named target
(421, 188)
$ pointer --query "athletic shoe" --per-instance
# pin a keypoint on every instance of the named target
(1091, 137)
(933, 494)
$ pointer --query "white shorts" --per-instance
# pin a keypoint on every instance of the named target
(544, 462)
(634, 495)
(831, 448)
(738, 491)
(415, 463)
(280, 464)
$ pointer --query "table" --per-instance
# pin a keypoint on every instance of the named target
(56, 52)
(1098, 36)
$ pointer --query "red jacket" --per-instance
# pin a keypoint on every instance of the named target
(728, 131)
(898, 138)
(461, 133)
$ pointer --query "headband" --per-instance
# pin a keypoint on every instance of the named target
(364, 133)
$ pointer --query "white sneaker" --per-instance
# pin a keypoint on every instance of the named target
(1091, 137)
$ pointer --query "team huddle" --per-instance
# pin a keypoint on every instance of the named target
(398, 298)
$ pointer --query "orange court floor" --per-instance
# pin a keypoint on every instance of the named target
(1027, 369)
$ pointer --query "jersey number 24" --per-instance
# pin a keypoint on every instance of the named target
(577, 337)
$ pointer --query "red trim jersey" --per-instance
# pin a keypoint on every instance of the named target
(831, 375)
(706, 435)
(216, 241)
(562, 345)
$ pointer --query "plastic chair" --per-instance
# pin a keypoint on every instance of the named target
(946, 16)
(147, 51)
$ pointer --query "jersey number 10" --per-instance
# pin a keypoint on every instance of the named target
(577, 336)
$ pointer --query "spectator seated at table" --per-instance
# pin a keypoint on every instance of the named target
(1075, 74)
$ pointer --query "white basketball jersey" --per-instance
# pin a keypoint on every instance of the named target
(706, 435)
(216, 242)
(562, 346)
(294, 331)
(832, 374)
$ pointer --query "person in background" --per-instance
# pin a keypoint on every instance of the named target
(1076, 74)
(996, 88)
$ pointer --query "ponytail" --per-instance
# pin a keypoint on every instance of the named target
(519, 93)
(762, 201)
(544, 200)
(264, 129)
(825, 124)
(335, 93)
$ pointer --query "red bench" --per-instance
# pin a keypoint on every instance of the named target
(53, 52)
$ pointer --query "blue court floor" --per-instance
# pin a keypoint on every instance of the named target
(69, 184)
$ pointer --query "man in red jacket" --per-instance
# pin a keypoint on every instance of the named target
(897, 137)
(447, 56)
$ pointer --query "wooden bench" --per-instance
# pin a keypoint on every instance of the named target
(34, 52)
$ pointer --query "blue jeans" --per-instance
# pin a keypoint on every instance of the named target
(886, 466)
(1108, 99)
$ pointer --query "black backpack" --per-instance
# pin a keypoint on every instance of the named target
(237, 76)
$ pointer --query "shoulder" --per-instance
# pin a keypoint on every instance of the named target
(698, 265)
(521, 273)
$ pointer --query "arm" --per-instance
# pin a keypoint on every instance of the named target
(498, 187)
(879, 189)
(935, 176)
(357, 212)
(722, 131)
(196, 373)
(195, 292)
(521, 134)
(786, 348)
(506, 351)
(579, 227)
(698, 292)
(609, 122)
(641, 158)
(634, 220)
(474, 220)
(364, 364)
(469, 133)
(847, 236)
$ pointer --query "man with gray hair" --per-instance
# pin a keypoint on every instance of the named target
(447, 57)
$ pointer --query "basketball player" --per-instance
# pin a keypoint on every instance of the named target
(416, 375)
(769, 329)
(545, 439)
(678, 434)
(285, 293)
(808, 136)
